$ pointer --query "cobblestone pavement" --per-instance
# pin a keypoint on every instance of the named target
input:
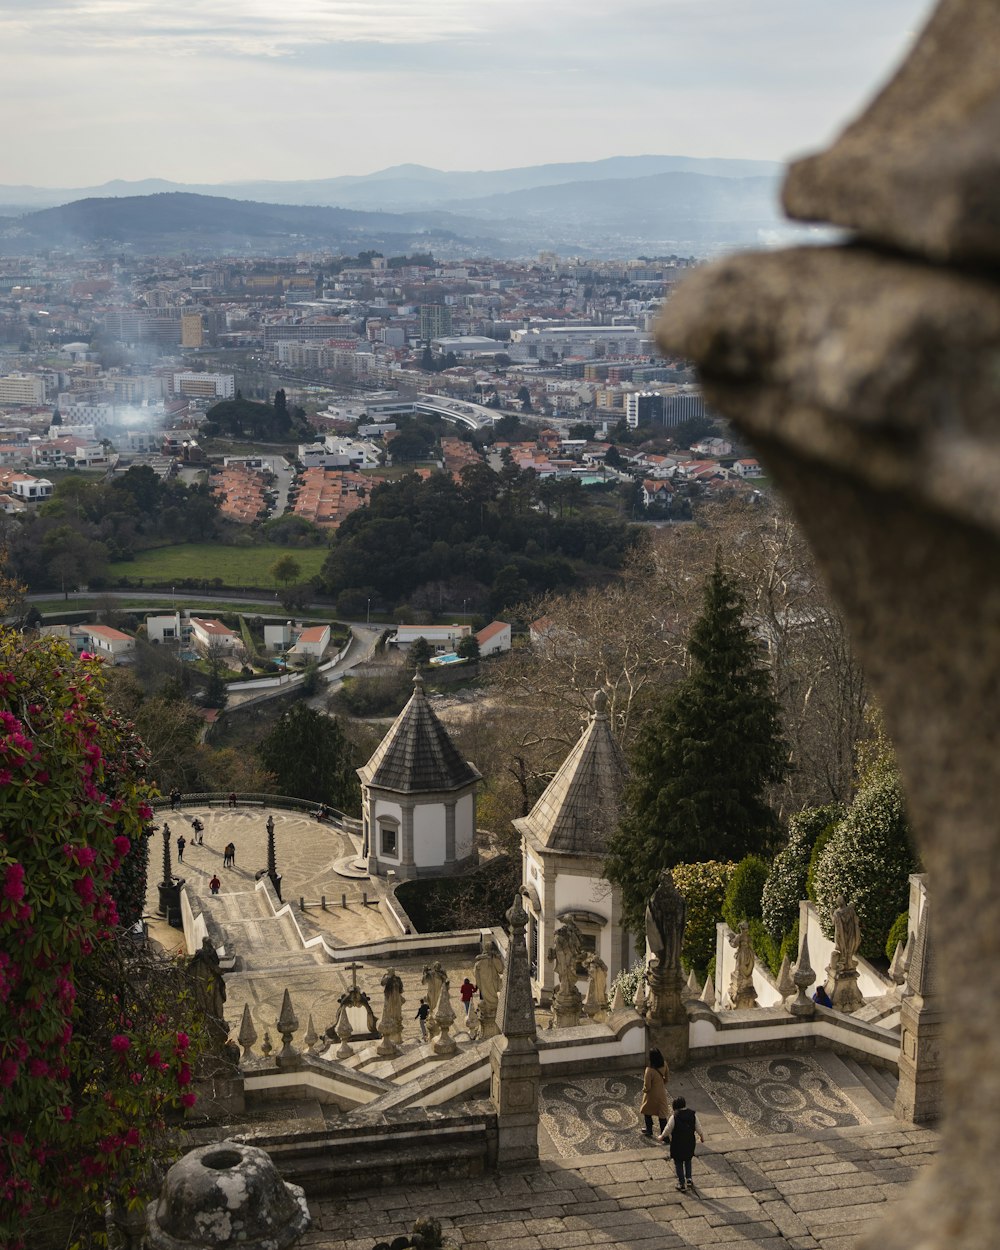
(307, 851)
(793, 1192)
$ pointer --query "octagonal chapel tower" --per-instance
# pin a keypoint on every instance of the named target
(564, 840)
(418, 797)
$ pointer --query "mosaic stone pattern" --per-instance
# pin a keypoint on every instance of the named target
(785, 1095)
(595, 1115)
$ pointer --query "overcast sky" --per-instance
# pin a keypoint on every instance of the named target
(218, 90)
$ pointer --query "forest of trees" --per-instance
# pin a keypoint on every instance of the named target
(481, 540)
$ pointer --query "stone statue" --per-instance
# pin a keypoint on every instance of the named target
(666, 914)
(742, 992)
(488, 974)
(596, 1002)
(842, 971)
(566, 952)
(391, 1024)
(209, 988)
(434, 978)
(846, 933)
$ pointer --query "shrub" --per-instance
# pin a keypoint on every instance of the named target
(92, 1053)
(815, 855)
(900, 932)
(628, 979)
(786, 880)
(743, 893)
(790, 944)
(868, 859)
(764, 946)
(704, 889)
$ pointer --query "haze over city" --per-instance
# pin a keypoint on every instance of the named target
(106, 89)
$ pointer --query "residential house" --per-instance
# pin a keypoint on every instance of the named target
(440, 637)
(206, 633)
(117, 646)
(654, 492)
(494, 639)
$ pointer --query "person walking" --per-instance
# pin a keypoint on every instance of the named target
(199, 832)
(181, 844)
(215, 885)
(175, 799)
(232, 798)
(467, 990)
(654, 1093)
(423, 1011)
(228, 855)
(681, 1130)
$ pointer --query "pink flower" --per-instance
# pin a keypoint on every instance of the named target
(84, 888)
(183, 1041)
(13, 883)
(188, 1100)
(184, 1075)
(6, 776)
(120, 1043)
(9, 1069)
(132, 1137)
(66, 1112)
(122, 846)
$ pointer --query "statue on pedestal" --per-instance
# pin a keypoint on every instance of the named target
(488, 974)
(210, 989)
(742, 992)
(843, 968)
(565, 953)
(666, 915)
(391, 1025)
(434, 978)
(596, 1002)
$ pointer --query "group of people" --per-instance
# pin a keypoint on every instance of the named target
(678, 1122)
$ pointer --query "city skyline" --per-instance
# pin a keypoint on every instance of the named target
(97, 90)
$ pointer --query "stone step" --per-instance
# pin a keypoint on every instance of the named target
(869, 1078)
(888, 1080)
(847, 1076)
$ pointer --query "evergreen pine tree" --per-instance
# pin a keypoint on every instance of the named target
(703, 763)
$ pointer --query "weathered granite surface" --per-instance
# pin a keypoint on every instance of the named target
(920, 170)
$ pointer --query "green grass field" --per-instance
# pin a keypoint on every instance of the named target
(236, 566)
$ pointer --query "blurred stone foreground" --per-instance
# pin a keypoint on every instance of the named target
(867, 375)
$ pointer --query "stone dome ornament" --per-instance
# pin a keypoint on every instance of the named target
(226, 1194)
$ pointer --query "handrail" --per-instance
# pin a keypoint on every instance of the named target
(206, 798)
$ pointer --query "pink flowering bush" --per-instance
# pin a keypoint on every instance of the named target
(94, 1035)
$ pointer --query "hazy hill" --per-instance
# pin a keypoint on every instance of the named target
(177, 221)
(399, 186)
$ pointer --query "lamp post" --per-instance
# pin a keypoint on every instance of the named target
(368, 612)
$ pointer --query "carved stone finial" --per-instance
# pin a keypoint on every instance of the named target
(692, 990)
(786, 986)
(896, 964)
(517, 1010)
(247, 1034)
(601, 704)
(311, 1037)
(708, 993)
(266, 1045)
(287, 1024)
(617, 999)
(803, 976)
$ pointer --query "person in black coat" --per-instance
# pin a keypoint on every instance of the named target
(682, 1128)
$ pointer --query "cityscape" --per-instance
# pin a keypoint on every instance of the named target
(489, 754)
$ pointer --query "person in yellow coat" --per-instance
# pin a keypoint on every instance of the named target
(655, 1100)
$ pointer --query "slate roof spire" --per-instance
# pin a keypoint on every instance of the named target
(581, 806)
(417, 756)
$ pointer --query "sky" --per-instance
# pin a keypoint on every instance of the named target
(222, 90)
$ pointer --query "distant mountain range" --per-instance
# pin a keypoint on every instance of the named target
(641, 203)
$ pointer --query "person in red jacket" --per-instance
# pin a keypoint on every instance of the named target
(467, 990)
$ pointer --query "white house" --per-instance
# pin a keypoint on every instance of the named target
(31, 489)
(564, 842)
(440, 637)
(312, 642)
(656, 492)
(748, 468)
(206, 632)
(166, 627)
(110, 642)
(494, 638)
(418, 798)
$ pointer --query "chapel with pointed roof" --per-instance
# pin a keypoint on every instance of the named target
(418, 797)
(564, 842)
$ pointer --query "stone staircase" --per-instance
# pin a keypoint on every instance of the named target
(872, 1089)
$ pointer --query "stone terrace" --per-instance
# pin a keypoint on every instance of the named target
(790, 1192)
